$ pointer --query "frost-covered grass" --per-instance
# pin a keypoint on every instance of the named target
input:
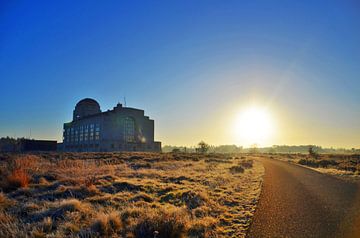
(127, 195)
(346, 166)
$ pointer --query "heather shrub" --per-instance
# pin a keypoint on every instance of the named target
(318, 163)
(308, 162)
(18, 178)
(237, 169)
(327, 163)
(246, 164)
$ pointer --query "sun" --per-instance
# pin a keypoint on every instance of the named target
(254, 125)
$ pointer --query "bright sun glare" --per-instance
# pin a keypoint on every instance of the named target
(254, 125)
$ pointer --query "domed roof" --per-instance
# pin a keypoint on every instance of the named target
(88, 101)
(86, 107)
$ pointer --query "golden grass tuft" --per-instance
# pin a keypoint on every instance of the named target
(10, 226)
(37, 233)
(43, 181)
(107, 224)
(18, 178)
(74, 205)
(163, 223)
(47, 224)
(204, 228)
(5, 202)
(71, 228)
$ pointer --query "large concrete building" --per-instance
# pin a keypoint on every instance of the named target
(120, 129)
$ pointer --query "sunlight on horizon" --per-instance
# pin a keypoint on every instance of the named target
(254, 125)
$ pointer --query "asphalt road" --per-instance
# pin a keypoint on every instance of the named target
(299, 202)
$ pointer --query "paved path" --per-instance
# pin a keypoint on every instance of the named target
(299, 202)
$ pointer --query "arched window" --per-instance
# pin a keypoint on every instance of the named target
(129, 129)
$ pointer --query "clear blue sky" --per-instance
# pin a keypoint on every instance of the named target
(190, 64)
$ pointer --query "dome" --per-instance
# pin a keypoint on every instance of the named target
(86, 107)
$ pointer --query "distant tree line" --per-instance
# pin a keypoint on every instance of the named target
(307, 149)
(303, 149)
(203, 147)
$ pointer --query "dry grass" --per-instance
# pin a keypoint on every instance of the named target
(345, 166)
(18, 179)
(128, 195)
(107, 224)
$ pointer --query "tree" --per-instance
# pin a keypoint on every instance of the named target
(202, 147)
(254, 149)
(312, 152)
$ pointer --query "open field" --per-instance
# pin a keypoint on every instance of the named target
(127, 195)
(345, 166)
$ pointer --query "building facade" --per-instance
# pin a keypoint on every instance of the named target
(37, 145)
(119, 129)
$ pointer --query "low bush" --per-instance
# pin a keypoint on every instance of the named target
(318, 163)
(189, 198)
(308, 162)
(246, 164)
(237, 169)
(17, 179)
(327, 163)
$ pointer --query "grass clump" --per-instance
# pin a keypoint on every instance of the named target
(73, 205)
(5, 202)
(189, 198)
(246, 164)
(163, 223)
(203, 228)
(18, 178)
(47, 224)
(107, 224)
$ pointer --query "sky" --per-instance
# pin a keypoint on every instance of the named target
(193, 66)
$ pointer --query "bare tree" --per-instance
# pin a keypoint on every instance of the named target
(202, 147)
(312, 152)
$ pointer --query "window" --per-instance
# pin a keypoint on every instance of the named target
(129, 130)
(86, 132)
(81, 133)
(97, 132)
(72, 134)
(68, 134)
(91, 137)
(76, 135)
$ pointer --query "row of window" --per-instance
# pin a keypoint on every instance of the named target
(82, 146)
(82, 133)
(91, 132)
(121, 146)
(129, 130)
